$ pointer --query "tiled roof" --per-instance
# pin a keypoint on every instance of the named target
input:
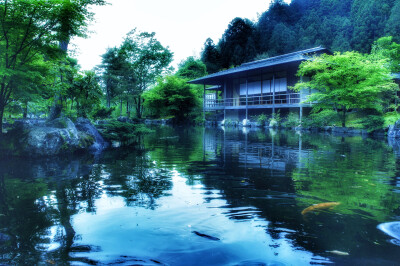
(272, 61)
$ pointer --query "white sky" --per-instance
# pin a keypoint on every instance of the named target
(183, 25)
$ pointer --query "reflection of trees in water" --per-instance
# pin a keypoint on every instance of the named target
(39, 198)
(134, 176)
(283, 173)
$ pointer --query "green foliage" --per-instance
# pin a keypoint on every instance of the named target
(211, 57)
(86, 92)
(125, 133)
(321, 119)
(148, 60)
(237, 45)
(347, 80)
(275, 120)
(391, 118)
(292, 120)
(103, 112)
(30, 32)
(372, 122)
(385, 48)
(230, 122)
(172, 96)
(262, 119)
(339, 25)
(191, 68)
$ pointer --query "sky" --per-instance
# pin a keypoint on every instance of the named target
(182, 25)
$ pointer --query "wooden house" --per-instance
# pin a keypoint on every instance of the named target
(257, 87)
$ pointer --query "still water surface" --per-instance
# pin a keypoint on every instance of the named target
(194, 196)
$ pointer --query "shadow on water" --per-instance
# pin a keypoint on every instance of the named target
(241, 191)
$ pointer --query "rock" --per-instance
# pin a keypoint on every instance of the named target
(4, 238)
(394, 130)
(59, 136)
(122, 119)
(85, 127)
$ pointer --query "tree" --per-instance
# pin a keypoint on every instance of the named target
(385, 47)
(211, 56)
(147, 59)
(116, 74)
(344, 81)
(172, 96)
(30, 31)
(393, 22)
(235, 42)
(87, 93)
(191, 68)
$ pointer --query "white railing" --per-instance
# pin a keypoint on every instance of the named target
(287, 98)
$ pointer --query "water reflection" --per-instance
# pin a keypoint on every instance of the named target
(204, 196)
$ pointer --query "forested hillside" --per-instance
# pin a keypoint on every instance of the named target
(339, 25)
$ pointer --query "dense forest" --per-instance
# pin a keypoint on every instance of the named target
(339, 25)
(39, 79)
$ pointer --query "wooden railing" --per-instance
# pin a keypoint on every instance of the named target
(287, 98)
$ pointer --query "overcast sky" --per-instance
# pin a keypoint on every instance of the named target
(183, 25)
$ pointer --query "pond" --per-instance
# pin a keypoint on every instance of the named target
(213, 196)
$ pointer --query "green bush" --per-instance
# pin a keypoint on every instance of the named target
(125, 133)
(275, 120)
(372, 122)
(103, 112)
(292, 120)
(321, 119)
(262, 119)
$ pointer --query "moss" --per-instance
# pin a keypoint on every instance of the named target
(85, 141)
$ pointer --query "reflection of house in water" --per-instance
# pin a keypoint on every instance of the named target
(245, 151)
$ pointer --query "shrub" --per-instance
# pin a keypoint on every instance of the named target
(262, 119)
(125, 133)
(275, 120)
(103, 113)
(372, 122)
(292, 120)
(321, 119)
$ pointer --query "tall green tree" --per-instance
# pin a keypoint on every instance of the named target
(344, 81)
(87, 93)
(191, 68)
(30, 32)
(172, 96)
(148, 60)
(237, 44)
(385, 47)
(211, 57)
(115, 74)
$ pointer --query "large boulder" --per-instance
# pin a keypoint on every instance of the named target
(86, 127)
(394, 130)
(58, 136)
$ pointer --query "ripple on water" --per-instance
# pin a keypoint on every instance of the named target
(393, 230)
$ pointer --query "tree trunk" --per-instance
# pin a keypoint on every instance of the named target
(1, 118)
(344, 117)
(127, 109)
(25, 114)
(139, 107)
(55, 111)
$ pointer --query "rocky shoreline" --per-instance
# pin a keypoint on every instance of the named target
(38, 138)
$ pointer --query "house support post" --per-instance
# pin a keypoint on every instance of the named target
(204, 103)
(247, 99)
(301, 112)
(273, 96)
(224, 101)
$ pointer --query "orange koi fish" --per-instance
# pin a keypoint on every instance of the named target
(320, 206)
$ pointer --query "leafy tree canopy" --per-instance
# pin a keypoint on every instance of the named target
(172, 97)
(191, 68)
(147, 60)
(347, 80)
